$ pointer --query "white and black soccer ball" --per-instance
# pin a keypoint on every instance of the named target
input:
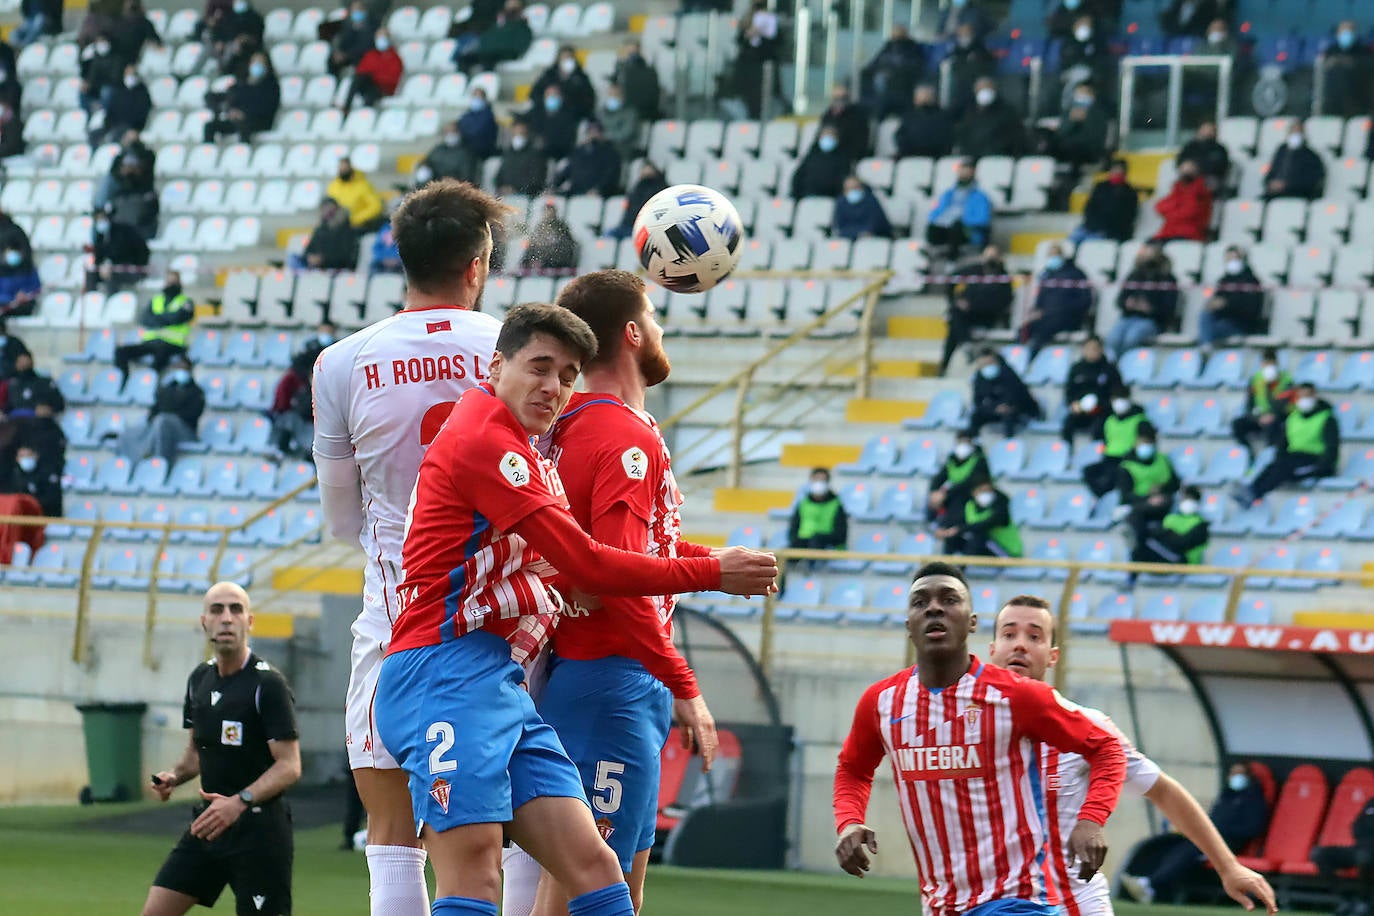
(688, 238)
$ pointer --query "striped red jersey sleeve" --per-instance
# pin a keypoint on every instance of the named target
(863, 750)
(1042, 714)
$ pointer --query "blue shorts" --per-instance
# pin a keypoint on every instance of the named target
(459, 722)
(1016, 908)
(613, 717)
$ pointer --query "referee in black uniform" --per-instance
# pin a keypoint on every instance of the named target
(244, 747)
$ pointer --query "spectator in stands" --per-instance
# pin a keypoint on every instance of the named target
(1332, 860)
(1148, 302)
(890, 77)
(119, 254)
(970, 62)
(999, 396)
(952, 485)
(11, 348)
(980, 297)
(127, 108)
(131, 147)
(477, 126)
(352, 191)
(229, 27)
(1180, 536)
(552, 123)
(292, 412)
(1309, 448)
(1087, 57)
(1296, 170)
(165, 328)
(1267, 402)
(101, 71)
(649, 183)
(250, 105)
(926, 129)
(757, 46)
(386, 255)
(1119, 431)
(1145, 480)
(637, 81)
(19, 282)
(992, 127)
(353, 40)
(27, 388)
(1348, 73)
(28, 477)
(508, 39)
(1237, 307)
(11, 90)
(818, 521)
(850, 120)
(822, 171)
(333, 243)
(450, 158)
(1206, 152)
(40, 17)
(962, 215)
(593, 167)
(172, 420)
(12, 141)
(378, 74)
(1186, 209)
(1063, 301)
(579, 98)
(551, 244)
(1111, 210)
(484, 15)
(859, 214)
(1061, 20)
(133, 31)
(1190, 18)
(12, 235)
(99, 19)
(1240, 815)
(987, 528)
(524, 166)
(1081, 137)
(129, 196)
(964, 14)
(1088, 393)
(620, 123)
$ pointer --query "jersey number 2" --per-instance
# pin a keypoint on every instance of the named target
(443, 733)
(606, 773)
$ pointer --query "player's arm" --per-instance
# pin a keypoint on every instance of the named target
(859, 759)
(184, 770)
(341, 493)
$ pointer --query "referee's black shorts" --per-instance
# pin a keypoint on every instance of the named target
(253, 857)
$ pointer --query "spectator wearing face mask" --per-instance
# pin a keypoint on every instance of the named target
(101, 71)
(1236, 309)
(333, 243)
(575, 89)
(1081, 137)
(378, 74)
(1148, 302)
(980, 297)
(962, 215)
(1146, 480)
(27, 477)
(524, 166)
(964, 14)
(250, 106)
(1120, 431)
(1088, 393)
(508, 39)
(172, 420)
(353, 40)
(952, 485)
(822, 171)
(1063, 301)
(19, 282)
(969, 62)
(1179, 536)
(850, 121)
(552, 123)
(756, 45)
(1087, 57)
(1268, 398)
(1348, 73)
(291, 413)
(593, 167)
(1309, 449)
(637, 81)
(126, 107)
(240, 21)
(450, 158)
(1296, 170)
(133, 150)
(1112, 209)
(890, 78)
(1186, 209)
(999, 396)
(551, 244)
(1190, 18)
(1212, 160)
(620, 123)
(11, 348)
(926, 129)
(26, 389)
(477, 126)
(43, 433)
(165, 328)
(649, 183)
(992, 127)
(818, 519)
(118, 253)
(987, 528)
(1060, 22)
(859, 214)
(352, 191)
(12, 141)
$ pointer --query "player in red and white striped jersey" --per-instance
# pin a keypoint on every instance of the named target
(961, 737)
(1023, 642)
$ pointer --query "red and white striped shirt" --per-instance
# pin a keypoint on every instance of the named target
(966, 766)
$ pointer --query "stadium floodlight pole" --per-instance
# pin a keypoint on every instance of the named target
(856, 44)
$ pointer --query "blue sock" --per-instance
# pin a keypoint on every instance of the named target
(458, 906)
(609, 901)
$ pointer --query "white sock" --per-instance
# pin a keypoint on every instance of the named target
(519, 881)
(398, 881)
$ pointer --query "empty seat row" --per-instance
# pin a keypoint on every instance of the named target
(58, 565)
(289, 299)
(192, 476)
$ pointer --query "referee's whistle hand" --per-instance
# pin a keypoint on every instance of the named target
(222, 813)
(163, 784)
(747, 572)
(851, 851)
(1088, 844)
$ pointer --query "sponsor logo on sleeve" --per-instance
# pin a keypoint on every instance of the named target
(515, 469)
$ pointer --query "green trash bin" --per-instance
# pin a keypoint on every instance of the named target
(114, 750)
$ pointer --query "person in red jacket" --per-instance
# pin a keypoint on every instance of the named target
(378, 74)
(1187, 208)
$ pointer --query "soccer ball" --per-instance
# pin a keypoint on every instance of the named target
(688, 238)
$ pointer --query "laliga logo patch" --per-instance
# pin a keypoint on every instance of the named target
(439, 790)
(515, 469)
(231, 733)
(635, 462)
(605, 828)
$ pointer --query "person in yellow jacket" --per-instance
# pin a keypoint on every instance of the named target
(1311, 447)
(165, 328)
(357, 195)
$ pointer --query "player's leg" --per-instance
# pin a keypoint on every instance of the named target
(558, 831)
(261, 861)
(164, 902)
(1093, 898)
(639, 870)
(190, 875)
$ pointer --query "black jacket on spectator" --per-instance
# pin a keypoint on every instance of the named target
(926, 130)
(1243, 306)
(1065, 308)
(51, 11)
(10, 350)
(966, 66)
(137, 208)
(579, 98)
(455, 161)
(29, 389)
(259, 100)
(1212, 159)
(128, 108)
(336, 243)
(524, 171)
(989, 303)
(44, 435)
(638, 80)
(593, 168)
(1163, 302)
(821, 174)
(992, 131)
(186, 401)
(42, 483)
(1059, 23)
(1006, 388)
(1096, 56)
(9, 64)
(131, 33)
(144, 155)
(851, 124)
(556, 129)
(12, 235)
(1240, 816)
(12, 141)
(102, 70)
(1099, 378)
(120, 244)
(890, 78)
(355, 40)
(637, 196)
(1301, 171)
(1348, 75)
(231, 25)
(1112, 210)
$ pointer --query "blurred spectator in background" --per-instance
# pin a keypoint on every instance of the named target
(484, 14)
(11, 348)
(352, 191)
(27, 389)
(1309, 448)
(1111, 210)
(1180, 536)
(477, 126)
(579, 98)
(41, 17)
(333, 242)
(11, 90)
(240, 20)
(450, 158)
(118, 253)
(99, 19)
(524, 165)
(378, 74)
(1211, 158)
(992, 127)
(353, 40)
(1296, 170)
(164, 328)
(129, 196)
(970, 62)
(822, 171)
(125, 108)
(101, 71)
(638, 82)
(1190, 18)
(1220, 41)
(980, 297)
(19, 282)
(890, 78)
(1331, 861)
(172, 420)
(1146, 480)
(858, 213)
(962, 215)
(1000, 396)
(1060, 22)
(28, 477)
(386, 256)
(1087, 57)
(1081, 137)
(987, 529)
(1236, 308)
(43, 433)
(1063, 300)
(952, 484)
(1088, 392)
(132, 31)
(292, 413)
(508, 39)
(963, 14)
(551, 123)
(132, 147)
(250, 105)
(620, 123)
(757, 45)
(551, 244)
(649, 183)
(11, 131)
(818, 518)
(1348, 73)
(1186, 209)
(593, 167)
(1119, 430)
(1268, 399)
(1148, 302)
(926, 129)
(850, 121)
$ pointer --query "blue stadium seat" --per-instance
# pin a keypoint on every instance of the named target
(217, 433)
(251, 394)
(107, 387)
(857, 499)
(1357, 373)
(1138, 366)
(1028, 509)
(877, 453)
(1180, 367)
(206, 348)
(1226, 466)
(1083, 455)
(50, 567)
(75, 386)
(1070, 511)
(113, 476)
(1163, 413)
(1359, 468)
(874, 542)
(168, 573)
(919, 457)
(152, 513)
(76, 426)
(1319, 561)
(1254, 611)
(194, 574)
(237, 567)
(260, 479)
(1119, 606)
(1047, 460)
(19, 563)
(117, 567)
(223, 478)
(303, 525)
(946, 409)
(187, 478)
(1207, 609)
(1018, 357)
(291, 476)
(1050, 366)
(846, 593)
(797, 593)
(99, 348)
(1205, 417)
(1224, 369)
(77, 473)
(1100, 519)
(241, 349)
(893, 599)
(1286, 52)
(217, 392)
(987, 599)
(1006, 458)
(196, 515)
(253, 436)
(104, 425)
(1292, 514)
(1187, 462)
(229, 516)
(1253, 519)
(1101, 551)
(1161, 607)
(80, 510)
(1317, 367)
(274, 349)
(265, 531)
(1348, 419)
(746, 536)
(141, 388)
(1052, 549)
(1342, 521)
(903, 502)
(913, 545)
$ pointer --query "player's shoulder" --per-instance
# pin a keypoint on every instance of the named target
(265, 672)
(478, 424)
(602, 421)
(200, 673)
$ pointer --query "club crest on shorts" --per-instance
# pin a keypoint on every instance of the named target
(231, 733)
(515, 469)
(259, 900)
(635, 462)
(438, 790)
(605, 828)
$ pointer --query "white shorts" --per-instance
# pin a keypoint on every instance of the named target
(1093, 898)
(371, 636)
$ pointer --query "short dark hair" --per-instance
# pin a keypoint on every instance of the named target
(1190, 492)
(977, 480)
(987, 351)
(1092, 338)
(940, 568)
(1121, 389)
(440, 228)
(1120, 163)
(818, 470)
(1308, 385)
(1025, 601)
(1146, 430)
(606, 300)
(524, 321)
(1269, 354)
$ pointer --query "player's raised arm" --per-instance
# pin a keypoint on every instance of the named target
(859, 759)
(341, 496)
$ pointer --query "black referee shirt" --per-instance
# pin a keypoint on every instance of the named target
(233, 718)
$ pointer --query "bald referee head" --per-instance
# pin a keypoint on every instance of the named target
(227, 617)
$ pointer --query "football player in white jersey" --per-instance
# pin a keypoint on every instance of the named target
(1023, 642)
(381, 395)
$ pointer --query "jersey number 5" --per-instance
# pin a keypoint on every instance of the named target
(606, 773)
(443, 733)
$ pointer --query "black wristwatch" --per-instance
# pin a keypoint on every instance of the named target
(246, 797)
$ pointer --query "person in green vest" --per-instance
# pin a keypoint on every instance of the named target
(1310, 449)
(1181, 536)
(952, 484)
(165, 328)
(1266, 404)
(1119, 431)
(987, 529)
(818, 520)
(1146, 478)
